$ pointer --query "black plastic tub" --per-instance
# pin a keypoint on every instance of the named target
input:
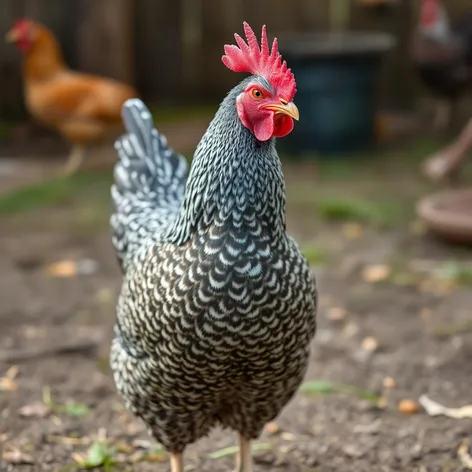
(337, 77)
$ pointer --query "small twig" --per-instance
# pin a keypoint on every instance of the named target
(85, 348)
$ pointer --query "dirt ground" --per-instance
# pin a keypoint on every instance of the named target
(394, 324)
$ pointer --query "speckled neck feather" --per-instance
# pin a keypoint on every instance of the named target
(233, 175)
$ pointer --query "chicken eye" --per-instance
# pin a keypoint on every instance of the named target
(257, 94)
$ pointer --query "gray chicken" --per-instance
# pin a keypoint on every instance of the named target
(217, 309)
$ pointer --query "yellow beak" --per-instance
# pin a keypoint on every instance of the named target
(11, 36)
(289, 109)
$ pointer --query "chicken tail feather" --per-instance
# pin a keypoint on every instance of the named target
(149, 182)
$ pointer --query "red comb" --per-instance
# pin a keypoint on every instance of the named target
(260, 61)
(21, 23)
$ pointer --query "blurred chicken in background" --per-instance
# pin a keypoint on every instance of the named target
(442, 53)
(447, 162)
(84, 109)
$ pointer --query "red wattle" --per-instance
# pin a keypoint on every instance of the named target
(283, 126)
(264, 129)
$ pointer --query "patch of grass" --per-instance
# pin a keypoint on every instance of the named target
(232, 450)
(324, 387)
(50, 192)
(315, 255)
(71, 408)
(99, 454)
(453, 329)
(349, 209)
(454, 273)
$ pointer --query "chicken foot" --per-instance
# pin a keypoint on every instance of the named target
(448, 160)
(177, 462)
(244, 457)
(76, 158)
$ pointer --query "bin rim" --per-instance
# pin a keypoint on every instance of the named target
(316, 44)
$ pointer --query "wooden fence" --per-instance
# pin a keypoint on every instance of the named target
(171, 49)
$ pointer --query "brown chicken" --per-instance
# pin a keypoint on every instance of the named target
(84, 109)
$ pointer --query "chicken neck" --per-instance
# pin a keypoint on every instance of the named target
(234, 177)
(44, 59)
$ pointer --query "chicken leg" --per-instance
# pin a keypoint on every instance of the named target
(76, 157)
(447, 161)
(244, 457)
(177, 463)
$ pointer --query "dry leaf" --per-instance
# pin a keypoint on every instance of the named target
(272, 428)
(7, 385)
(336, 314)
(409, 407)
(66, 268)
(376, 273)
(56, 420)
(389, 382)
(34, 410)
(435, 409)
(464, 455)
(79, 458)
(12, 372)
(353, 451)
(155, 457)
(370, 344)
(286, 449)
(17, 457)
(352, 230)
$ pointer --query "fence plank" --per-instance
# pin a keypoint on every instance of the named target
(158, 52)
(11, 96)
(104, 38)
